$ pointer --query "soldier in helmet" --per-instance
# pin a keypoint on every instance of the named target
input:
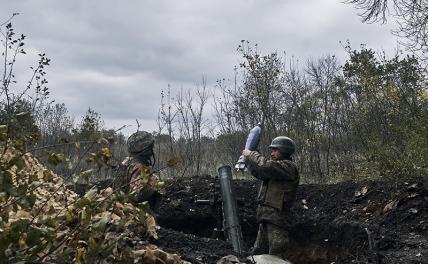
(136, 177)
(280, 178)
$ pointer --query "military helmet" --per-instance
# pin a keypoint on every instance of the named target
(140, 142)
(285, 144)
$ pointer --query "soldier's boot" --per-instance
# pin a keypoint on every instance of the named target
(278, 240)
(261, 246)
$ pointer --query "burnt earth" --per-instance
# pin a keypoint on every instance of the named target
(348, 222)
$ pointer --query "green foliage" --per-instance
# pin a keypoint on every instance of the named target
(365, 118)
(17, 118)
(261, 88)
(88, 225)
(55, 158)
(390, 112)
(90, 126)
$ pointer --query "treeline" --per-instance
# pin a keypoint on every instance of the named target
(77, 143)
(364, 118)
(65, 146)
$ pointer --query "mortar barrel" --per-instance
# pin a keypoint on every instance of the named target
(230, 210)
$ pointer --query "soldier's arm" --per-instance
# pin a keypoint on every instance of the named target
(265, 169)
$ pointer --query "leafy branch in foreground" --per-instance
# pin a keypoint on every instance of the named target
(86, 231)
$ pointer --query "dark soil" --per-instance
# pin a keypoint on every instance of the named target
(348, 222)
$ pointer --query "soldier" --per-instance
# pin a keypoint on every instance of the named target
(280, 179)
(136, 175)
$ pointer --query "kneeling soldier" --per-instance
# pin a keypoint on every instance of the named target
(137, 177)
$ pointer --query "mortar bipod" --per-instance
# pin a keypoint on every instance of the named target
(230, 210)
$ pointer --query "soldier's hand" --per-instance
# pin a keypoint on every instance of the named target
(246, 152)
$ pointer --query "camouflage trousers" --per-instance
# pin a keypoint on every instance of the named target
(271, 239)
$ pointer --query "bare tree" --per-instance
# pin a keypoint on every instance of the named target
(25, 102)
(411, 16)
(198, 121)
(166, 117)
(322, 75)
(190, 124)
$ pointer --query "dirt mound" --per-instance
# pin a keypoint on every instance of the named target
(365, 222)
(193, 248)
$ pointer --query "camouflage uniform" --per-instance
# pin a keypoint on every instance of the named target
(280, 179)
(143, 187)
(136, 176)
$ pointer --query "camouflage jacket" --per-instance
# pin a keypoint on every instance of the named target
(136, 178)
(277, 193)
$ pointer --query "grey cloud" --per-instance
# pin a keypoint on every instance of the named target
(116, 56)
(114, 97)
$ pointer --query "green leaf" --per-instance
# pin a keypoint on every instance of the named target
(106, 152)
(17, 228)
(90, 195)
(6, 183)
(51, 222)
(145, 173)
(69, 216)
(38, 248)
(86, 215)
(86, 173)
(18, 144)
(3, 197)
(128, 210)
(22, 189)
(75, 178)
(107, 251)
(80, 255)
(82, 202)
(31, 199)
(47, 175)
(3, 136)
(18, 162)
(33, 237)
(102, 223)
(5, 216)
(56, 159)
(3, 129)
(32, 178)
(144, 206)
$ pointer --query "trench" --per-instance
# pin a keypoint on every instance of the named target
(315, 241)
(201, 226)
(311, 241)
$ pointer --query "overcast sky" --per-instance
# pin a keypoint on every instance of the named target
(116, 56)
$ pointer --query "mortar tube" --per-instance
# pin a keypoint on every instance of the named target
(230, 210)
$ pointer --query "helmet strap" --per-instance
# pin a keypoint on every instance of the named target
(153, 160)
(145, 157)
(286, 156)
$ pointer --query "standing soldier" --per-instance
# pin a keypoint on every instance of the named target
(280, 179)
(136, 176)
